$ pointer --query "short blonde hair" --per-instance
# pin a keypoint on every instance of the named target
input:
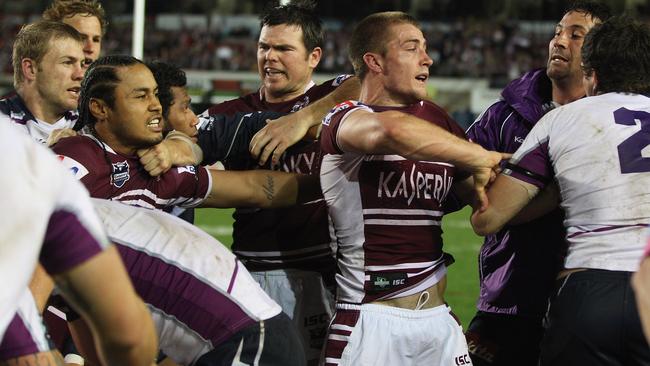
(370, 35)
(32, 41)
(62, 9)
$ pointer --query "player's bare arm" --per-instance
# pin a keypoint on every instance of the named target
(507, 196)
(641, 285)
(393, 132)
(120, 322)
(546, 201)
(280, 134)
(260, 188)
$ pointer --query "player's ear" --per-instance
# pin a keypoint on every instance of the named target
(314, 57)
(373, 61)
(99, 109)
(594, 83)
(29, 68)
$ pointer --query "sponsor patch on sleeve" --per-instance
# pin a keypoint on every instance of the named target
(340, 79)
(78, 170)
(186, 169)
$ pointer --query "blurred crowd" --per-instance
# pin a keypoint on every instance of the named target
(464, 48)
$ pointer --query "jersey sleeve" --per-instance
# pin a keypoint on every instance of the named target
(78, 156)
(227, 138)
(531, 163)
(192, 185)
(331, 124)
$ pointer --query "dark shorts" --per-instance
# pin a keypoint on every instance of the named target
(503, 340)
(593, 320)
(272, 342)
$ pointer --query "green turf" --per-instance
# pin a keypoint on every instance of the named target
(462, 285)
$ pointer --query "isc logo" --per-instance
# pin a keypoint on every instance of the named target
(463, 360)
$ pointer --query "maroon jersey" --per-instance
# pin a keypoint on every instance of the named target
(107, 174)
(386, 211)
(295, 237)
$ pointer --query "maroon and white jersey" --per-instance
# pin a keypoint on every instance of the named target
(596, 148)
(295, 237)
(386, 211)
(46, 215)
(198, 293)
(117, 177)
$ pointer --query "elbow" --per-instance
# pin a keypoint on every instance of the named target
(482, 224)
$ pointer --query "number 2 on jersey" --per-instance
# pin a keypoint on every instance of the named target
(629, 151)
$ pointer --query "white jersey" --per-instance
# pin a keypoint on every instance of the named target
(198, 292)
(598, 149)
(39, 130)
(41, 205)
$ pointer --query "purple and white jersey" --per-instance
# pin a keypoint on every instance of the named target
(386, 211)
(597, 150)
(198, 293)
(40, 131)
(118, 177)
(46, 214)
(26, 333)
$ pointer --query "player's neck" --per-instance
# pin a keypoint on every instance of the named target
(373, 93)
(38, 107)
(567, 91)
(113, 141)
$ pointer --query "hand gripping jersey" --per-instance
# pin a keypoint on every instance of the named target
(110, 175)
(295, 237)
(386, 211)
(46, 215)
(596, 149)
(40, 131)
(198, 293)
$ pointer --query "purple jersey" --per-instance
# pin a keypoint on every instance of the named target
(518, 264)
(114, 176)
(386, 211)
(296, 237)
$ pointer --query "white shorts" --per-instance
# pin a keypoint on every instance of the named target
(305, 299)
(376, 335)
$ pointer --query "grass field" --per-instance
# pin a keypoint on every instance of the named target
(460, 240)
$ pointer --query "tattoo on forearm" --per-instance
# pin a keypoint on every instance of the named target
(269, 188)
(48, 358)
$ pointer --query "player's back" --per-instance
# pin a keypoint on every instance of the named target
(198, 292)
(597, 147)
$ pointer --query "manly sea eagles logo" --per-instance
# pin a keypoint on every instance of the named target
(300, 104)
(120, 174)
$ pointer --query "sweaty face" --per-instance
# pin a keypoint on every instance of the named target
(58, 76)
(135, 121)
(405, 65)
(284, 64)
(181, 117)
(89, 26)
(564, 49)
